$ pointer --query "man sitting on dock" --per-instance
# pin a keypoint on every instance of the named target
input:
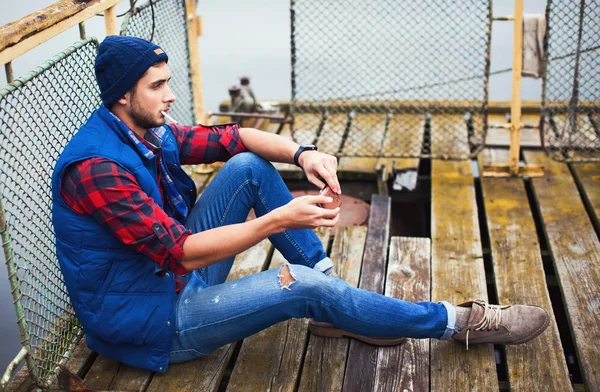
(238, 103)
(145, 264)
(247, 92)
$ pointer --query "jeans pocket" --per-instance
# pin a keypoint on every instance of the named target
(184, 355)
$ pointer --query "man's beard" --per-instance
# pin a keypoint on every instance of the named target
(143, 118)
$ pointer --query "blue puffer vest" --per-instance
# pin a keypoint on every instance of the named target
(125, 308)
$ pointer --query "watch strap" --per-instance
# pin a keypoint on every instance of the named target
(301, 149)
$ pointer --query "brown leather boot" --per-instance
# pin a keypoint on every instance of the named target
(508, 324)
(329, 331)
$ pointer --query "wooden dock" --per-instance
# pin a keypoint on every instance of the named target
(510, 240)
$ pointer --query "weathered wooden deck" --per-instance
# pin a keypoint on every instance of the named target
(510, 240)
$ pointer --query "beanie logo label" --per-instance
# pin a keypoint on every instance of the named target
(158, 51)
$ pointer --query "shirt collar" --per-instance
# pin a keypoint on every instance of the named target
(147, 146)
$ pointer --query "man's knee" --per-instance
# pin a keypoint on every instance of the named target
(312, 281)
(247, 159)
(250, 164)
(286, 278)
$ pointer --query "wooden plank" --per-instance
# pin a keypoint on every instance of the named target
(589, 130)
(576, 254)
(306, 126)
(559, 134)
(77, 363)
(406, 367)
(195, 77)
(106, 373)
(358, 164)
(102, 373)
(363, 168)
(587, 175)
(363, 140)
(457, 269)
(271, 359)
(14, 32)
(20, 381)
(365, 135)
(365, 165)
(110, 21)
(31, 41)
(404, 135)
(449, 136)
(81, 357)
(325, 359)
(362, 358)
(333, 131)
(204, 374)
(498, 137)
(520, 278)
(131, 379)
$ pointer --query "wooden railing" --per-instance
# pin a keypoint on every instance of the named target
(23, 35)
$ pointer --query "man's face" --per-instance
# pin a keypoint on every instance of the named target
(150, 96)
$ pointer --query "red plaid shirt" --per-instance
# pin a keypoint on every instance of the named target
(105, 190)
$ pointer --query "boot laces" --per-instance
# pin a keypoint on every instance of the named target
(492, 316)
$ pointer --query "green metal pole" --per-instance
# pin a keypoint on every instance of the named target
(15, 288)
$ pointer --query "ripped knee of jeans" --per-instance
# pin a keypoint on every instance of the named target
(286, 277)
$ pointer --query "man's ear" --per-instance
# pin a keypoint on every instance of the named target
(124, 99)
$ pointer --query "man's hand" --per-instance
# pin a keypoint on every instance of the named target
(274, 148)
(319, 166)
(206, 247)
(303, 213)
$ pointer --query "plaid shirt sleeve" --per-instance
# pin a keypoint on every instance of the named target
(106, 191)
(207, 144)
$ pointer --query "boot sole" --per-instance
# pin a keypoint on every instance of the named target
(329, 331)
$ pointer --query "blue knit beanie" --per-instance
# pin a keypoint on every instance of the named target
(121, 62)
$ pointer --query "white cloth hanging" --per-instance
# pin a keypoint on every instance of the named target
(534, 31)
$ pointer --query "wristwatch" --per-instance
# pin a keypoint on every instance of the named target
(301, 149)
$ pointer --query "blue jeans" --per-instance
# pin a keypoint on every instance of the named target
(211, 312)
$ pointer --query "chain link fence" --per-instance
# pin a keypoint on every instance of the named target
(39, 114)
(570, 123)
(393, 78)
(164, 23)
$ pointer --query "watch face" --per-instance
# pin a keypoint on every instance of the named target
(308, 147)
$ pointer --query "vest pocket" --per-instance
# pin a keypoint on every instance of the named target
(99, 297)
